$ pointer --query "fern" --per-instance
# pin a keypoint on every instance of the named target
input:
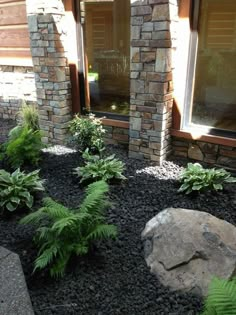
(23, 146)
(221, 298)
(62, 232)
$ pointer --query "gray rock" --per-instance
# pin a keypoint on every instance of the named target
(195, 153)
(14, 297)
(186, 248)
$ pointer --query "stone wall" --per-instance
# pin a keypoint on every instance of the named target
(153, 41)
(116, 135)
(205, 152)
(48, 34)
(16, 84)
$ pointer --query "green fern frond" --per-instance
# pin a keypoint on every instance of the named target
(64, 223)
(44, 233)
(34, 217)
(62, 232)
(46, 257)
(221, 299)
(101, 186)
(103, 231)
(58, 268)
(55, 210)
(81, 248)
(95, 197)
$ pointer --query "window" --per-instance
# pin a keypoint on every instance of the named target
(211, 87)
(106, 26)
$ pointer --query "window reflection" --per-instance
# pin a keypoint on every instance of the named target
(214, 101)
(107, 48)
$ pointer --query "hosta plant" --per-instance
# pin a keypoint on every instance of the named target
(17, 189)
(196, 178)
(221, 299)
(87, 132)
(64, 232)
(98, 168)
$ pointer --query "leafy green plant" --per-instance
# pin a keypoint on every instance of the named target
(98, 168)
(87, 133)
(17, 189)
(63, 232)
(23, 146)
(29, 116)
(196, 178)
(221, 299)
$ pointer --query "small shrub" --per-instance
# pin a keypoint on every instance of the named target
(98, 168)
(17, 189)
(23, 146)
(63, 232)
(196, 178)
(221, 298)
(87, 133)
(29, 116)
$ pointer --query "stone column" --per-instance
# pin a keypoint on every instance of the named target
(47, 30)
(152, 43)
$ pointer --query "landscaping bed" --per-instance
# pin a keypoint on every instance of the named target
(113, 278)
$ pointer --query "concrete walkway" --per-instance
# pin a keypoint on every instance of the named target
(14, 296)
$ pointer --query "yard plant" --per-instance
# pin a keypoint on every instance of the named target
(23, 146)
(87, 132)
(98, 168)
(221, 299)
(17, 189)
(29, 116)
(196, 178)
(63, 232)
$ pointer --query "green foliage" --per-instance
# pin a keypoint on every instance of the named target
(29, 116)
(17, 189)
(23, 146)
(63, 232)
(196, 178)
(97, 168)
(221, 298)
(87, 133)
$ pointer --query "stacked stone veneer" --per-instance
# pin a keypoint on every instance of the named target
(17, 84)
(205, 152)
(152, 44)
(48, 33)
(116, 135)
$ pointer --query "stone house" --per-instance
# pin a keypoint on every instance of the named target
(162, 72)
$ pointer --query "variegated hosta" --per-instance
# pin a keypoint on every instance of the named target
(196, 178)
(98, 168)
(17, 189)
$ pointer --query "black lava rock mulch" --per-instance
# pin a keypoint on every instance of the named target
(113, 279)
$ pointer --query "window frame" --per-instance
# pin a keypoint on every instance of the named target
(186, 124)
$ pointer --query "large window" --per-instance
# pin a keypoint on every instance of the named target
(212, 92)
(106, 25)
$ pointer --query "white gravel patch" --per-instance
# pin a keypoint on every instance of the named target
(59, 150)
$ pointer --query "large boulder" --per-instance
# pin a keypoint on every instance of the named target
(186, 248)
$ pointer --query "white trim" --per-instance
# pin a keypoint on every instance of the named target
(24, 62)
